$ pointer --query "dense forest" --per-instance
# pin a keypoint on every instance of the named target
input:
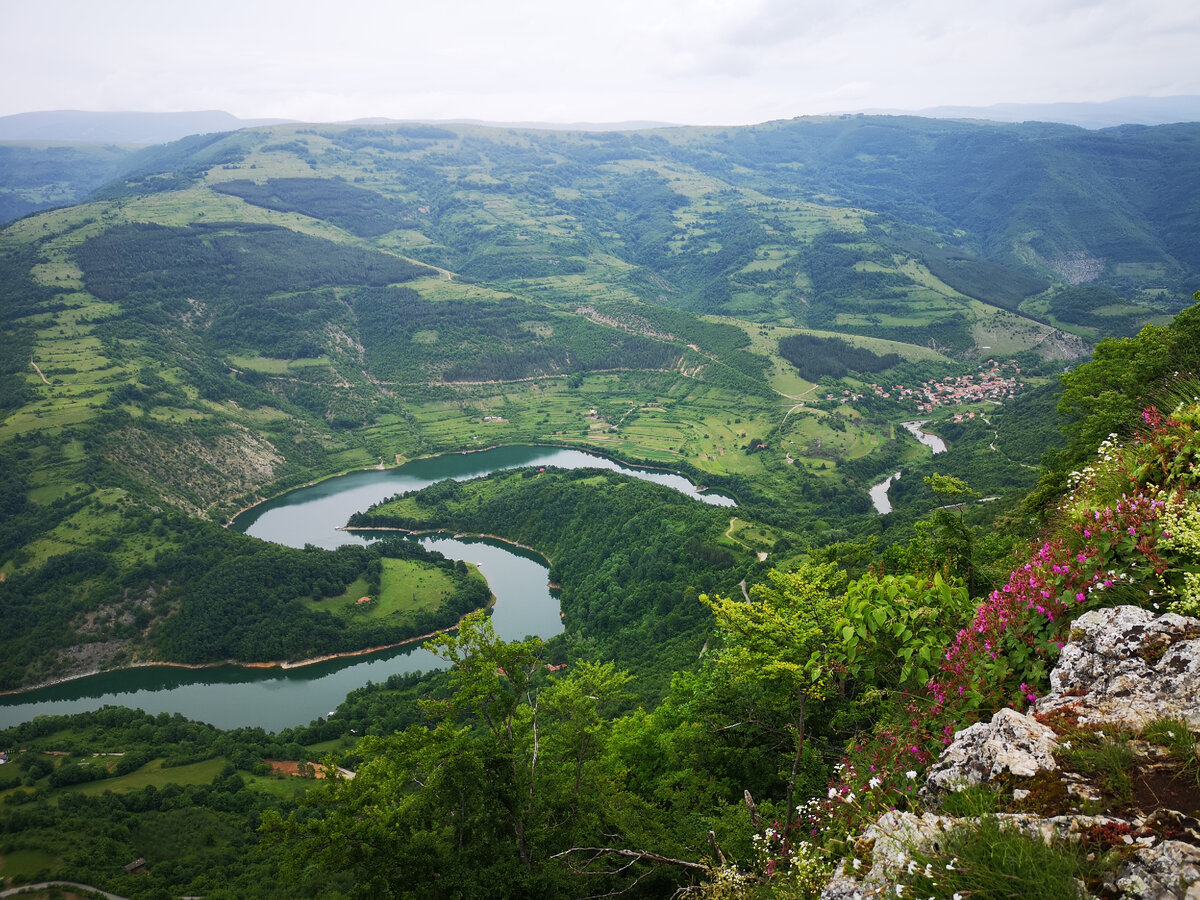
(816, 357)
(631, 557)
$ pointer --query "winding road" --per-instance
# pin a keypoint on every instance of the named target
(47, 885)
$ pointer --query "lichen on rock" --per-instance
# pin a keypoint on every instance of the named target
(1126, 666)
(1011, 742)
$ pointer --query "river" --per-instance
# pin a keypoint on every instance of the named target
(234, 696)
(879, 492)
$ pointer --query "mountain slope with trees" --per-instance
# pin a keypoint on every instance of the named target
(241, 313)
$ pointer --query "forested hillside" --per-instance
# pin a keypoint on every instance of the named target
(237, 314)
(783, 314)
(821, 699)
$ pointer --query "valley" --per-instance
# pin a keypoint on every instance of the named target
(597, 346)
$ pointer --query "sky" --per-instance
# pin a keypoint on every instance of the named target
(703, 62)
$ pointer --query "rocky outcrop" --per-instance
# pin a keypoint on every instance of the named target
(1126, 666)
(891, 839)
(1123, 666)
(896, 836)
(1011, 742)
(1169, 871)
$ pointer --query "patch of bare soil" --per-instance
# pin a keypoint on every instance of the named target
(294, 768)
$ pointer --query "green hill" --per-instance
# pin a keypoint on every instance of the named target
(241, 313)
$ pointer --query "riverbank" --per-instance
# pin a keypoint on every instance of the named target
(282, 665)
(582, 448)
(458, 536)
(879, 492)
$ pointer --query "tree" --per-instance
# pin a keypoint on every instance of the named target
(778, 639)
(493, 680)
(580, 737)
(1106, 394)
(950, 538)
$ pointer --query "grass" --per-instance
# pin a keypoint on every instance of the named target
(271, 366)
(285, 787)
(990, 860)
(154, 775)
(1106, 756)
(1177, 737)
(25, 864)
(659, 417)
(828, 437)
(976, 800)
(406, 587)
(103, 517)
(750, 535)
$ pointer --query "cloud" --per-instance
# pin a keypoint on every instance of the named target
(711, 61)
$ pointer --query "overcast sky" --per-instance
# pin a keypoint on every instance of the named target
(701, 62)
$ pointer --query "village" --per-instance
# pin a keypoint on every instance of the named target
(994, 382)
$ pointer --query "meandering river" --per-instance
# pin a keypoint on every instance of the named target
(879, 492)
(234, 696)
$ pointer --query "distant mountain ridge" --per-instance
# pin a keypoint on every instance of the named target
(1107, 114)
(80, 126)
(120, 127)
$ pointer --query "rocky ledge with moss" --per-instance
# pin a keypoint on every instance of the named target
(1114, 734)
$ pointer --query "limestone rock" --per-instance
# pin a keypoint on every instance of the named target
(1168, 871)
(891, 839)
(1010, 742)
(1126, 666)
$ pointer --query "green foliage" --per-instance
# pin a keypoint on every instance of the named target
(36, 176)
(247, 606)
(631, 556)
(408, 338)
(985, 280)
(1176, 735)
(216, 595)
(199, 330)
(815, 357)
(973, 801)
(464, 807)
(1105, 757)
(361, 212)
(777, 642)
(1105, 395)
(240, 273)
(196, 831)
(892, 627)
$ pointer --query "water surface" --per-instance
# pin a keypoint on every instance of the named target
(234, 696)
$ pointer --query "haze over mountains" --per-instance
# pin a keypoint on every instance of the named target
(162, 127)
(1123, 111)
(120, 127)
